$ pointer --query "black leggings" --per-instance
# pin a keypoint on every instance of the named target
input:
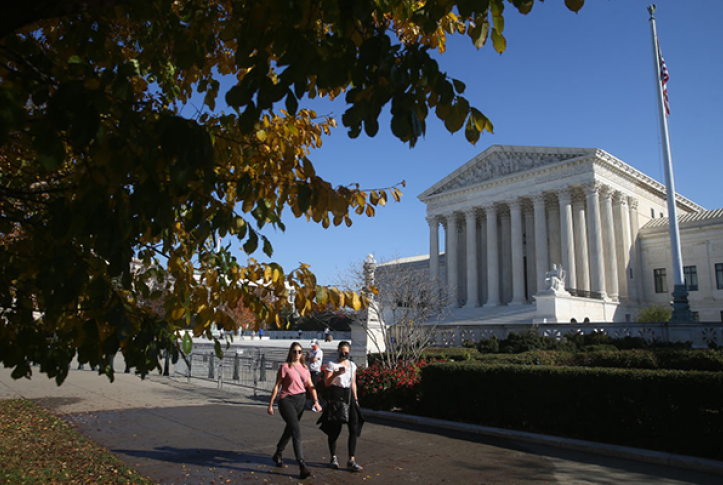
(335, 431)
(291, 409)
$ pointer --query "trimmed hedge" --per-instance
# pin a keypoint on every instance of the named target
(674, 411)
(450, 353)
(671, 359)
(533, 357)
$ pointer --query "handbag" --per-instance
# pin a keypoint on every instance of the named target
(338, 411)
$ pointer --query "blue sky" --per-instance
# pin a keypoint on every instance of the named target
(566, 79)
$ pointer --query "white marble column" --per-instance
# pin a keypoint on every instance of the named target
(608, 239)
(635, 261)
(542, 263)
(482, 259)
(554, 235)
(594, 230)
(530, 253)
(493, 268)
(433, 249)
(518, 269)
(505, 258)
(582, 260)
(452, 259)
(622, 242)
(567, 238)
(470, 216)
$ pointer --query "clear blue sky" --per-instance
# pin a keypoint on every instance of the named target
(573, 80)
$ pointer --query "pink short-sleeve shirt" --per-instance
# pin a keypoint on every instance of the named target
(291, 382)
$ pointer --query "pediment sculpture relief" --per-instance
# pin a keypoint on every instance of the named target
(501, 164)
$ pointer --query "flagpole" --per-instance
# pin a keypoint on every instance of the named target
(681, 307)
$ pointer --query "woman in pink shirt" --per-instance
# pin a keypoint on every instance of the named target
(292, 380)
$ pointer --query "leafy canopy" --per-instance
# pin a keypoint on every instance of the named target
(113, 191)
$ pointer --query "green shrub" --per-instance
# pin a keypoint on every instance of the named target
(598, 347)
(672, 411)
(450, 353)
(623, 359)
(533, 357)
(489, 345)
(654, 314)
(700, 360)
(628, 342)
(527, 340)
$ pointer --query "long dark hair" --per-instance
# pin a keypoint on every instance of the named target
(290, 356)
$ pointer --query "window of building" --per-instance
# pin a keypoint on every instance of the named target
(719, 276)
(661, 215)
(721, 316)
(652, 213)
(661, 283)
(691, 278)
(696, 316)
(630, 272)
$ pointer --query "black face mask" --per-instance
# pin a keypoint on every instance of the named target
(343, 357)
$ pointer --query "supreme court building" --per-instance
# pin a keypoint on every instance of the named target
(501, 222)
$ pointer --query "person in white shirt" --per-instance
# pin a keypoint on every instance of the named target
(340, 380)
(314, 358)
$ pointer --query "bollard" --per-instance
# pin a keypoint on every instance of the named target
(220, 374)
(210, 366)
(188, 368)
(262, 372)
(166, 364)
(236, 363)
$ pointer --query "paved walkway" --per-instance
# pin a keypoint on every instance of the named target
(195, 434)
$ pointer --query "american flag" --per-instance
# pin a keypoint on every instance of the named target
(664, 80)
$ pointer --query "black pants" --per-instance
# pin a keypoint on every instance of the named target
(335, 429)
(291, 409)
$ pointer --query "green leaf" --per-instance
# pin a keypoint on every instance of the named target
(291, 103)
(401, 127)
(574, 5)
(498, 41)
(479, 33)
(499, 23)
(217, 348)
(268, 249)
(524, 6)
(252, 242)
(443, 110)
(471, 133)
(75, 60)
(459, 86)
(187, 343)
(458, 115)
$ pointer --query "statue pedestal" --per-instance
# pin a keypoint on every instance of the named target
(555, 307)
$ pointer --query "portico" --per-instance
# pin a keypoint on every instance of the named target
(512, 212)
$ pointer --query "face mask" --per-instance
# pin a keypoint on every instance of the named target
(343, 357)
(314, 347)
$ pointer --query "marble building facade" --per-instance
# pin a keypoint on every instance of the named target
(499, 223)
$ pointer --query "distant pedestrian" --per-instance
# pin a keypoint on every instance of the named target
(261, 333)
(300, 332)
(314, 357)
(292, 379)
(340, 380)
(327, 335)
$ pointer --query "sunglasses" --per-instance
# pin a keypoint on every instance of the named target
(297, 351)
(343, 353)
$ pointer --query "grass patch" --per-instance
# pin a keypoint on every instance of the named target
(38, 448)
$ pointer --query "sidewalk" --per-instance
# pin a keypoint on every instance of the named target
(195, 434)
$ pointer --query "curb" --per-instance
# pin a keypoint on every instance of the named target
(603, 449)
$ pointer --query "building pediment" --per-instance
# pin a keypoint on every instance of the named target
(500, 161)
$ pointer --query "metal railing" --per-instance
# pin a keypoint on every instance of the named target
(252, 368)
